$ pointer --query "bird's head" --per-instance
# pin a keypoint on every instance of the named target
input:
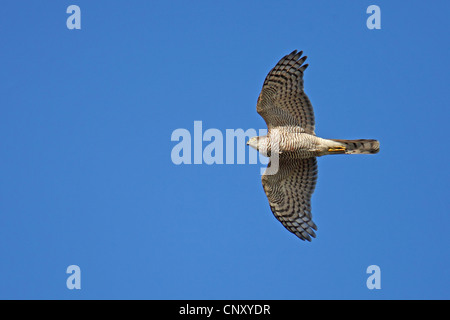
(261, 144)
(253, 142)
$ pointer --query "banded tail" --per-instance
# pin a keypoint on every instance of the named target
(360, 146)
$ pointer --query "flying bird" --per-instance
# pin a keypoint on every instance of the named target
(292, 145)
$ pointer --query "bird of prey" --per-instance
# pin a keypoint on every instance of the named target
(292, 145)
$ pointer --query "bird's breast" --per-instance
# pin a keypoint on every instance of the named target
(294, 144)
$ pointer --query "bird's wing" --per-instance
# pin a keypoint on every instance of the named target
(282, 100)
(289, 193)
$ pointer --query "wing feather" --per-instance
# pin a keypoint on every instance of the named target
(289, 193)
(282, 100)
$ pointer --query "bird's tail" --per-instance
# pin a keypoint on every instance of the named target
(360, 146)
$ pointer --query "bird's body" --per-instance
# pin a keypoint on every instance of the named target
(291, 142)
(293, 146)
(300, 145)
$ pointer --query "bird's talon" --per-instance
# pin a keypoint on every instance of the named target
(336, 149)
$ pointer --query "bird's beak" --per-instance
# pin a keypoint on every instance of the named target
(248, 142)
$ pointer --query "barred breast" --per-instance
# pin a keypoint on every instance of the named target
(296, 144)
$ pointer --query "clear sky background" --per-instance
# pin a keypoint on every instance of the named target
(86, 176)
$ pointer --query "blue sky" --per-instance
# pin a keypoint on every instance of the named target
(86, 176)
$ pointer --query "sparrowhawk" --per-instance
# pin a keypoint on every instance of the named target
(293, 146)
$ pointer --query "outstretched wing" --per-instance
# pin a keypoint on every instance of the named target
(282, 100)
(289, 193)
